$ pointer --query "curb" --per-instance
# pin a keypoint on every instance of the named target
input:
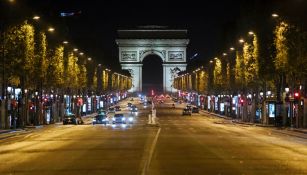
(254, 124)
(10, 131)
(34, 127)
(297, 130)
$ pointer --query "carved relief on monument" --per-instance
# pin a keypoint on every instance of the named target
(161, 52)
(128, 56)
(175, 55)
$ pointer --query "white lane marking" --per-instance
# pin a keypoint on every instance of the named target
(152, 149)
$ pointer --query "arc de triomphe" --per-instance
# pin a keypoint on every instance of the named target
(169, 45)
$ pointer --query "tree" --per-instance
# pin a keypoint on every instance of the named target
(55, 70)
(40, 61)
(82, 76)
(239, 71)
(19, 51)
(217, 75)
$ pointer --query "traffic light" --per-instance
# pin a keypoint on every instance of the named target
(202, 98)
(80, 102)
(241, 101)
(296, 96)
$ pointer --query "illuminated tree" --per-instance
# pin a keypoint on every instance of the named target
(280, 41)
(217, 75)
(203, 81)
(239, 70)
(40, 61)
(19, 52)
(250, 60)
(55, 69)
(82, 76)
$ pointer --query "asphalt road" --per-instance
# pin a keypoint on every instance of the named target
(197, 144)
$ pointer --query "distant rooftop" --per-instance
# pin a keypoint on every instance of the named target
(152, 32)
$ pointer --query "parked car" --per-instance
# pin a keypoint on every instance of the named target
(100, 119)
(72, 119)
(186, 111)
(119, 118)
(189, 107)
(102, 112)
(129, 105)
(195, 110)
(117, 108)
(111, 110)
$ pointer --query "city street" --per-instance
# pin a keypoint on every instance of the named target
(197, 144)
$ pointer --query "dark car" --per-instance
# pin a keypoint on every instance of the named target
(186, 111)
(119, 118)
(189, 107)
(102, 112)
(195, 110)
(134, 108)
(129, 105)
(72, 119)
(100, 119)
(111, 110)
(117, 108)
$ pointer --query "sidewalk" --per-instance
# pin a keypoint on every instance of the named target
(27, 127)
(301, 130)
(3, 131)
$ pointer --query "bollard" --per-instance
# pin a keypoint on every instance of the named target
(153, 120)
(149, 119)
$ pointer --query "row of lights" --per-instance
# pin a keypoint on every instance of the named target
(241, 40)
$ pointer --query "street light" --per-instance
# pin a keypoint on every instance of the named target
(65, 42)
(287, 89)
(51, 29)
(251, 33)
(261, 93)
(274, 15)
(241, 40)
(232, 48)
(36, 17)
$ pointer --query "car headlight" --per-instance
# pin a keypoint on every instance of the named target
(104, 120)
(130, 119)
(123, 119)
(113, 119)
(136, 108)
(94, 120)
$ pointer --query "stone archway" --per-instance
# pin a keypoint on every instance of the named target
(152, 74)
(169, 45)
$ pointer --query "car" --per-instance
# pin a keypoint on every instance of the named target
(186, 111)
(189, 107)
(72, 119)
(100, 119)
(129, 105)
(145, 105)
(195, 110)
(134, 108)
(102, 112)
(117, 108)
(111, 110)
(119, 118)
(130, 119)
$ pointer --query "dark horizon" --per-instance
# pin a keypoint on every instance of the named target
(212, 27)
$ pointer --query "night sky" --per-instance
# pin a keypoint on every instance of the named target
(212, 26)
